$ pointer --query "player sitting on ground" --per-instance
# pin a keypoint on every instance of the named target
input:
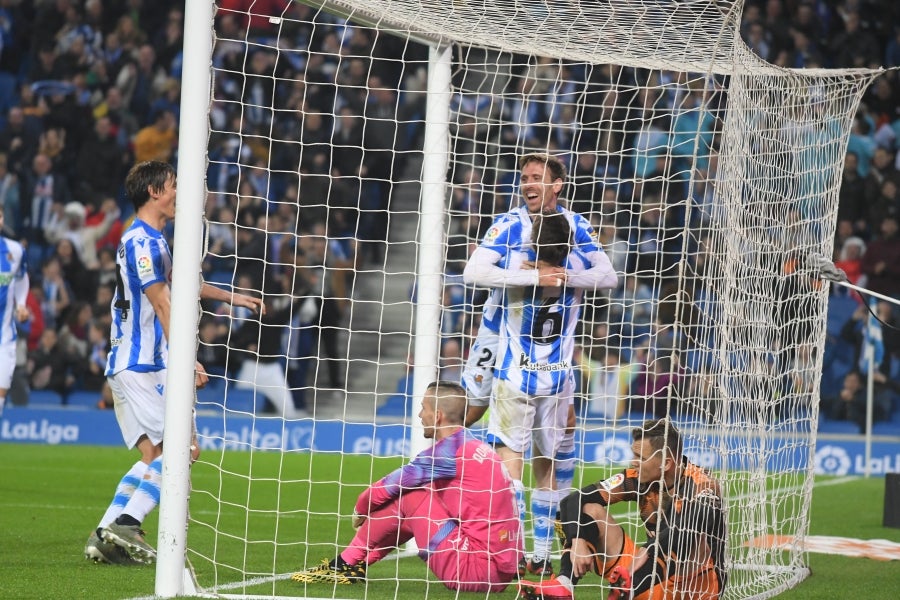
(681, 507)
(455, 499)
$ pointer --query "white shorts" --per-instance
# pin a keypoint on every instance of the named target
(140, 403)
(478, 375)
(7, 363)
(521, 421)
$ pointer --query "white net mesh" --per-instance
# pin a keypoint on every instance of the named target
(710, 177)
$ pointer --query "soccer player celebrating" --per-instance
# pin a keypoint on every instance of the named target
(455, 499)
(539, 394)
(136, 365)
(13, 292)
(682, 509)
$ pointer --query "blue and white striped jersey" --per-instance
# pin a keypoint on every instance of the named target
(536, 325)
(13, 286)
(137, 340)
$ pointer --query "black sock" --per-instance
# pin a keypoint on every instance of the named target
(124, 519)
(565, 566)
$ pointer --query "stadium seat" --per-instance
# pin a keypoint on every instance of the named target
(830, 426)
(241, 400)
(8, 92)
(83, 398)
(211, 397)
(44, 397)
(394, 406)
(221, 277)
(840, 309)
(886, 428)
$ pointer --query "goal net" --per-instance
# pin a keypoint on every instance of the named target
(357, 153)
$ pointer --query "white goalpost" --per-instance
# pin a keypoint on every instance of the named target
(342, 158)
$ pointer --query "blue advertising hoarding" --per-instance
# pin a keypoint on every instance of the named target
(835, 454)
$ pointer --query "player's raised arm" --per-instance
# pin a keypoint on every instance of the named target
(212, 292)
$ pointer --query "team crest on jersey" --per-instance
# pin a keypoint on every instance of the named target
(144, 265)
(613, 482)
(492, 234)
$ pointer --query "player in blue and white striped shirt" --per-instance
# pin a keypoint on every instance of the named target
(13, 292)
(136, 365)
(494, 264)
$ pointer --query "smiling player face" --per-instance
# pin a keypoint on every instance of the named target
(539, 189)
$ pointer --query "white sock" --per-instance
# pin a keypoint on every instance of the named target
(519, 489)
(124, 491)
(543, 516)
(146, 496)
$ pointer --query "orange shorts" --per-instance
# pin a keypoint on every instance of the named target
(702, 584)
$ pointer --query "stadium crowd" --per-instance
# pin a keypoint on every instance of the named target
(88, 88)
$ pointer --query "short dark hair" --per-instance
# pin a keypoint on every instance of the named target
(556, 167)
(552, 237)
(450, 399)
(660, 433)
(150, 174)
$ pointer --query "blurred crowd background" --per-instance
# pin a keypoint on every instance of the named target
(314, 116)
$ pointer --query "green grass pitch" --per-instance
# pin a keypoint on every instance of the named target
(51, 497)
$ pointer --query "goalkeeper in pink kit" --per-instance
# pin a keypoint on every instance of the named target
(455, 499)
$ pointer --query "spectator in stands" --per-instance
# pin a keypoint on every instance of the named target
(84, 238)
(607, 383)
(141, 82)
(55, 294)
(854, 47)
(52, 367)
(100, 164)
(849, 404)
(850, 261)
(854, 332)
(73, 335)
(157, 141)
(45, 192)
(93, 368)
(450, 361)
(81, 281)
(19, 140)
(852, 199)
(881, 262)
(321, 258)
(124, 125)
(9, 196)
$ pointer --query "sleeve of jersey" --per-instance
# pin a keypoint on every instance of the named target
(20, 289)
(598, 272)
(147, 262)
(482, 269)
(437, 462)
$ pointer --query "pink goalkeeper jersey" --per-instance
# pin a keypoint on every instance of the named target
(470, 480)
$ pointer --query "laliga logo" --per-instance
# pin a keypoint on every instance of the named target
(832, 460)
(613, 451)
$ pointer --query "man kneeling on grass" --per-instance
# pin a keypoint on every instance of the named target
(455, 499)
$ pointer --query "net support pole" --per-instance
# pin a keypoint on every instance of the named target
(870, 395)
(187, 254)
(432, 244)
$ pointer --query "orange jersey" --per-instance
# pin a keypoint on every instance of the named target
(673, 517)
